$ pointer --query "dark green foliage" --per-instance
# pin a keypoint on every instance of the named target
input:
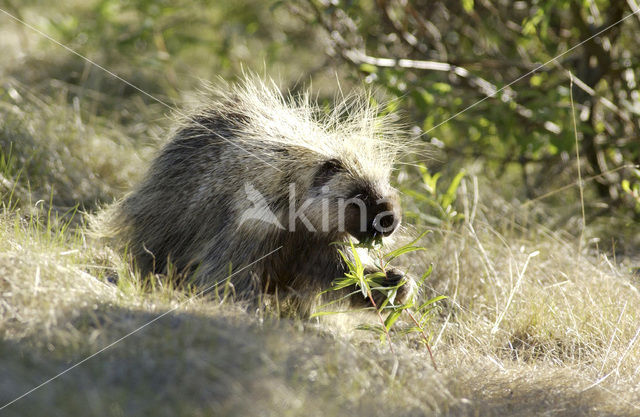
(469, 74)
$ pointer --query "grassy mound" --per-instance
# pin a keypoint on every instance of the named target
(530, 326)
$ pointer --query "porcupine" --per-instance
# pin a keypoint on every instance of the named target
(253, 173)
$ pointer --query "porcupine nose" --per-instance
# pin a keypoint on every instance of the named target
(385, 218)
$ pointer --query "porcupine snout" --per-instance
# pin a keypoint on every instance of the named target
(384, 219)
(373, 216)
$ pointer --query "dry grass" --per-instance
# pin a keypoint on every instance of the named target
(55, 154)
(556, 338)
(554, 333)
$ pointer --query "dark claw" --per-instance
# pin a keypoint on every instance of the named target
(393, 277)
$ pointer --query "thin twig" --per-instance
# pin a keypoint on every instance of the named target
(426, 341)
(580, 185)
(386, 332)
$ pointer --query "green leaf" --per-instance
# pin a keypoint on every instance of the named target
(368, 68)
(424, 276)
(431, 301)
(442, 88)
(372, 328)
(374, 275)
(402, 251)
(416, 194)
(409, 247)
(450, 196)
(392, 318)
(344, 282)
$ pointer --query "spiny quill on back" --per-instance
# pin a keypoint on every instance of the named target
(253, 172)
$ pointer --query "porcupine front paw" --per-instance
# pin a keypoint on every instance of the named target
(393, 276)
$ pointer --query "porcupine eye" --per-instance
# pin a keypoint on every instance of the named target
(327, 171)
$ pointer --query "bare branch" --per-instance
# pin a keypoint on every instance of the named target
(487, 88)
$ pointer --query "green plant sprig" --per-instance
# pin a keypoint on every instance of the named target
(366, 283)
(438, 197)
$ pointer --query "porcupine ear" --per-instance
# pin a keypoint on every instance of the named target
(326, 171)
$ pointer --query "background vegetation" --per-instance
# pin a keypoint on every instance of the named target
(542, 314)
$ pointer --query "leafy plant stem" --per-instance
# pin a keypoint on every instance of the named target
(424, 337)
(386, 332)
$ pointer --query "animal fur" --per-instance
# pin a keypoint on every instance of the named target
(188, 210)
